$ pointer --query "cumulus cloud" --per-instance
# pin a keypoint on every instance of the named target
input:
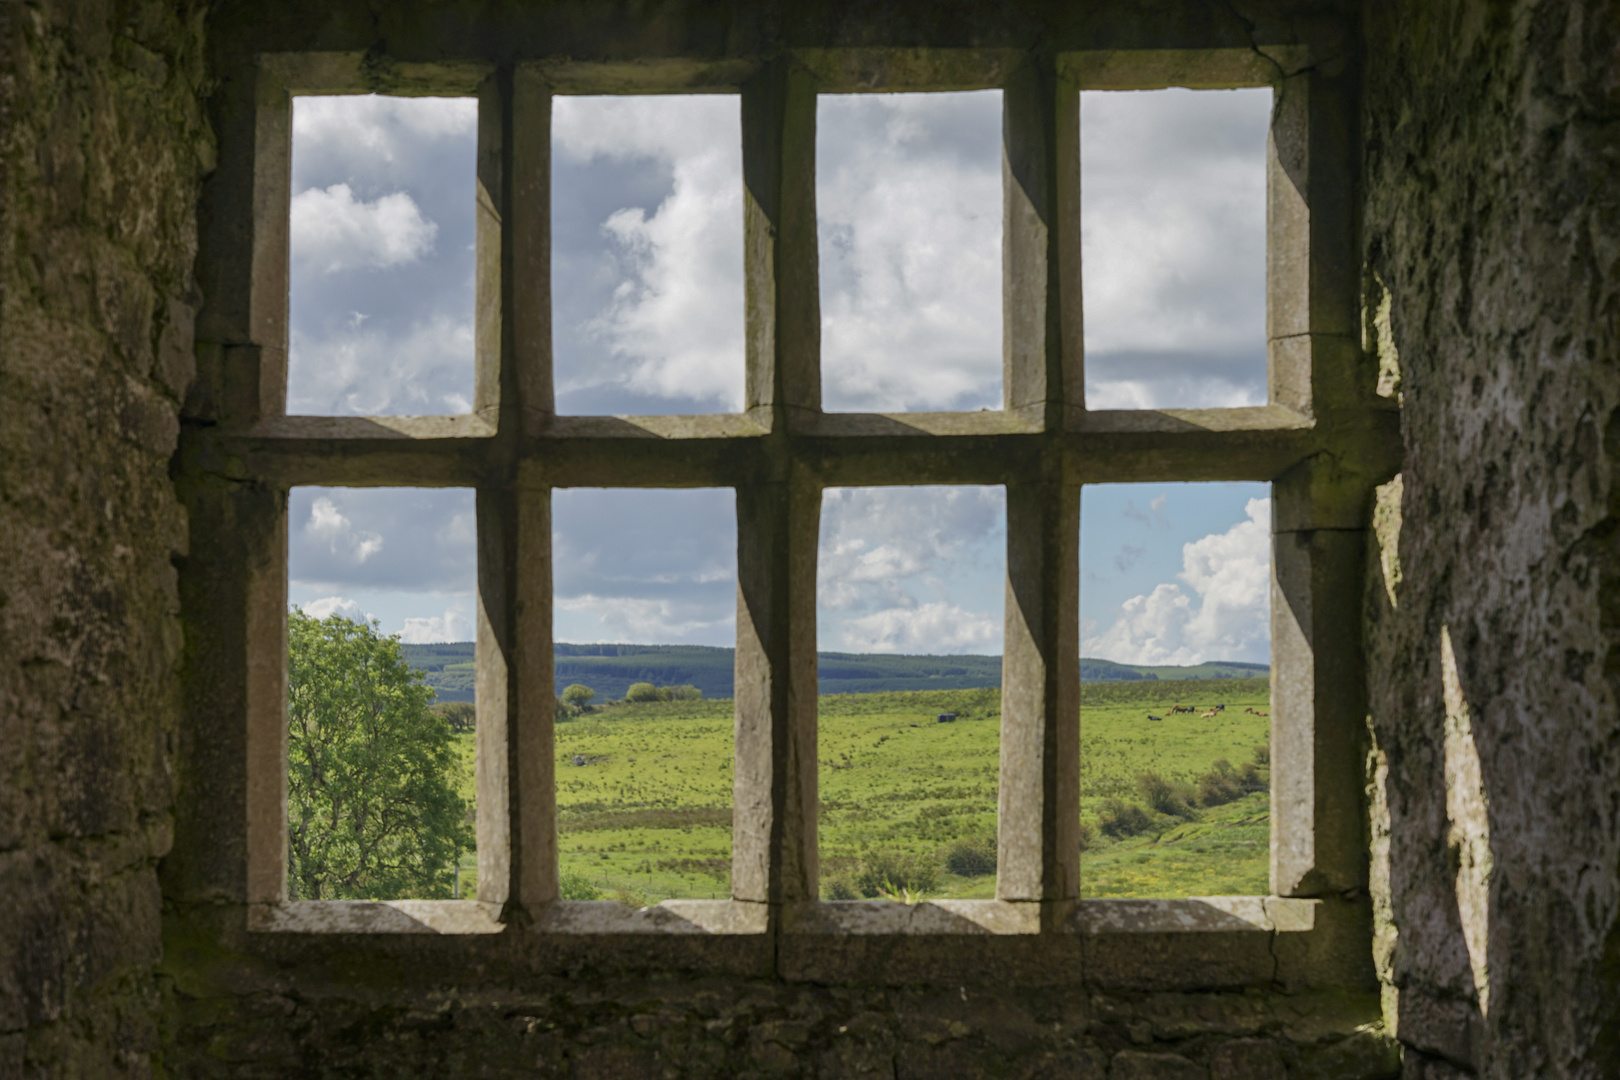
(384, 129)
(936, 627)
(670, 322)
(382, 241)
(346, 540)
(328, 526)
(662, 621)
(1221, 614)
(335, 605)
(1173, 246)
(645, 566)
(911, 569)
(453, 625)
(366, 369)
(333, 231)
(909, 204)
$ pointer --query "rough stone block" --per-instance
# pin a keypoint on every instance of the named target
(1247, 1059)
(1140, 1065)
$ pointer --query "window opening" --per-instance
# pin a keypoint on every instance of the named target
(1173, 240)
(1175, 692)
(909, 615)
(646, 254)
(645, 621)
(380, 705)
(381, 256)
(908, 215)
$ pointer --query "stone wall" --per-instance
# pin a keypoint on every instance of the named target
(1492, 232)
(1492, 238)
(102, 153)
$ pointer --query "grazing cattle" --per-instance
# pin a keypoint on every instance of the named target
(1249, 711)
(1257, 713)
(1207, 715)
(1182, 708)
(1152, 717)
(947, 718)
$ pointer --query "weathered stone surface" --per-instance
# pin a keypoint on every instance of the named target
(1137, 1065)
(101, 151)
(1492, 233)
(1247, 1059)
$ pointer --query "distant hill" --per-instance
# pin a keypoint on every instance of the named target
(610, 669)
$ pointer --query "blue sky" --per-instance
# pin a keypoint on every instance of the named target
(647, 273)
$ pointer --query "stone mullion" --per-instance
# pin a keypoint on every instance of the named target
(1318, 690)
(1039, 793)
(780, 254)
(517, 847)
(1041, 329)
(774, 853)
(774, 856)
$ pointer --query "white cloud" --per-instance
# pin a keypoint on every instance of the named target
(378, 126)
(333, 231)
(374, 542)
(675, 321)
(335, 605)
(1173, 244)
(912, 569)
(909, 205)
(1230, 575)
(370, 371)
(453, 625)
(937, 627)
(668, 620)
(329, 527)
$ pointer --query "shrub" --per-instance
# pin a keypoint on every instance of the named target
(573, 885)
(1087, 835)
(578, 695)
(1220, 785)
(1120, 819)
(972, 858)
(1166, 796)
(641, 691)
(680, 693)
(839, 887)
(892, 871)
(1224, 784)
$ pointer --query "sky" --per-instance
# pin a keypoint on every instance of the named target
(648, 318)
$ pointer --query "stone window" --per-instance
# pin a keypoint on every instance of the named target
(1322, 432)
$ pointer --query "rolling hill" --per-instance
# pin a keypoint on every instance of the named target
(610, 669)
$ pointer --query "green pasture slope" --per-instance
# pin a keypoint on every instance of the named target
(647, 815)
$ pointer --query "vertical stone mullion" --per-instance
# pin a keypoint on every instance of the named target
(1313, 263)
(782, 290)
(528, 259)
(517, 837)
(774, 853)
(517, 844)
(1318, 689)
(1040, 244)
(1039, 810)
(1039, 790)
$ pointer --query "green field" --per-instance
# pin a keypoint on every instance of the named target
(646, 816)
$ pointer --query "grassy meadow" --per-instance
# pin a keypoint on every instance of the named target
(644, 794)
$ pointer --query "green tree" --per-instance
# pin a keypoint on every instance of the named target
(641, 691)
(461, 715)
(371, 768)
(578, 695)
